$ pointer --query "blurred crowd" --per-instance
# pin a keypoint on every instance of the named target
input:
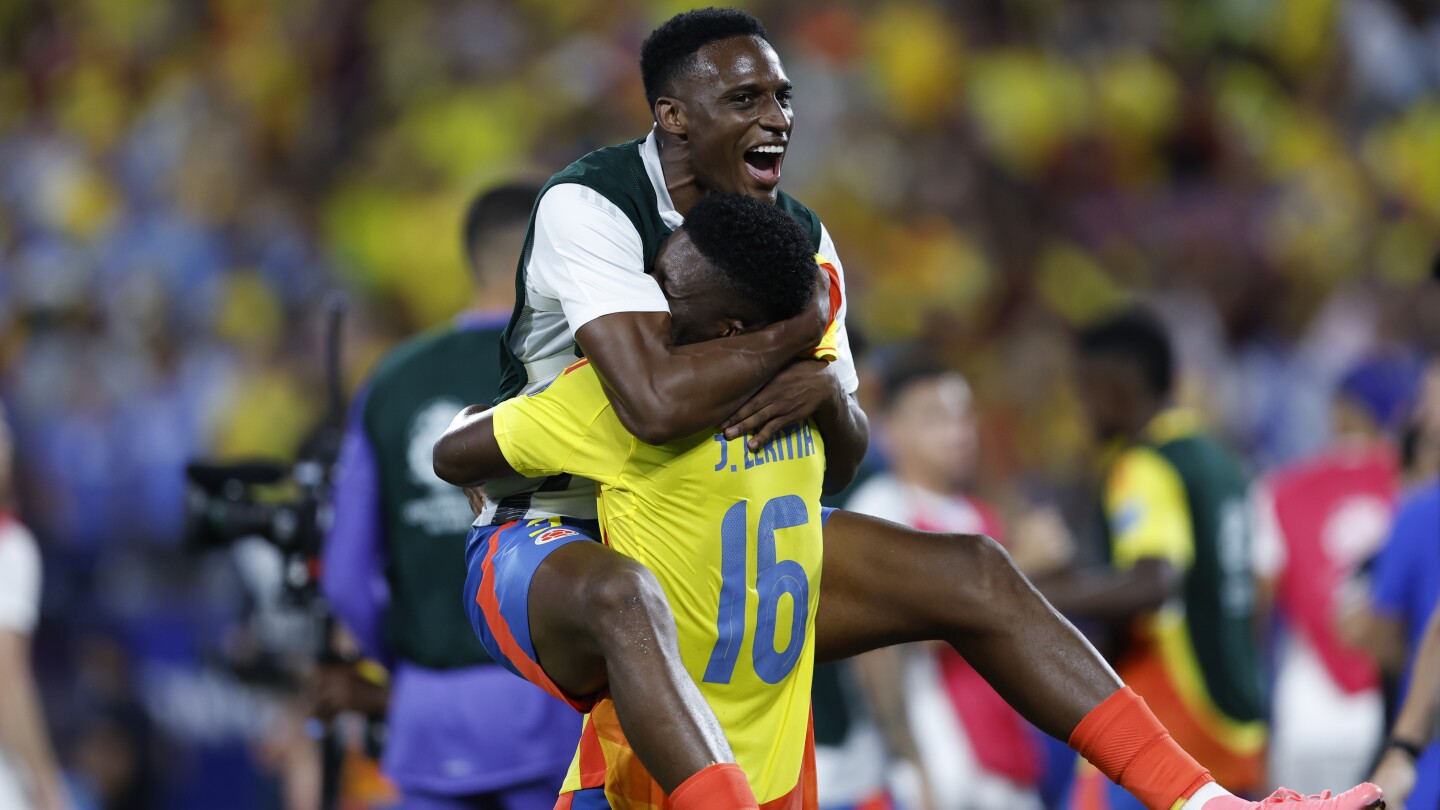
(182, 183)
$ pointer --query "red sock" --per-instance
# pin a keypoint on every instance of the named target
(721, 786)
(1124, 740)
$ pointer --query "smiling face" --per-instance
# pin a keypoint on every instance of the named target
(733, 108)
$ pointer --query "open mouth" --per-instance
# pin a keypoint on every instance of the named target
(763, 162)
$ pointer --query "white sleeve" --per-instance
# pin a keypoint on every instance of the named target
(1268, 551)
(879, 497)
(19, 579)
(845, 364)
(588, 256)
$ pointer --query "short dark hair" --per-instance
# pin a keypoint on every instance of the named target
(906, 367)
(765, 258)
(1135, 336)
(495, 208)
(671, 48)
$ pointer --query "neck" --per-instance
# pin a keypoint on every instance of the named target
(680, 180)
(491, 297)
(1141, 419)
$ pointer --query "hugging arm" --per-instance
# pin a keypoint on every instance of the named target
(846, 430)
(803, 388)
(662, 391)
(468, 454)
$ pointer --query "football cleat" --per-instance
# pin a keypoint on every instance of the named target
(1362, 797)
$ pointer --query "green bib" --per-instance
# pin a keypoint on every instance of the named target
(417, 390)
(1219, 587)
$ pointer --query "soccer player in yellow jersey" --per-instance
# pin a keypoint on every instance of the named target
(723, 120)
(732, 536)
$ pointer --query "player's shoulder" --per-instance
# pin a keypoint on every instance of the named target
(1141, 466)
(806, 216)
(606, 158)
(612, 171)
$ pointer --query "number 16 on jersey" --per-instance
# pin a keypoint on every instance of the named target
(773, 579)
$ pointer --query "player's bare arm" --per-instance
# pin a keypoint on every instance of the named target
(663, 391)
(1109, 594)
(22, 728)
(467, 455)
(802, 389)
(1415, 725)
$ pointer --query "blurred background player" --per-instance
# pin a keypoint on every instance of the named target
(1416, 724)
(463, 733)
(972, 750)
(1178, 585)
(1317, 522)
(1405, 587)
(29, 776)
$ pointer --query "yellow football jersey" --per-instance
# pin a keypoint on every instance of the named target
(734, 538)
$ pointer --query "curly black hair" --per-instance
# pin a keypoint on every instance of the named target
(764, 257)
(669, 49)
(1135, 336)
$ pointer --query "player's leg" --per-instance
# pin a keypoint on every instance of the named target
(887, 584)
(600, 623)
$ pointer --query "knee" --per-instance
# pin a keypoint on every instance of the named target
(985, 570)
(624, 598)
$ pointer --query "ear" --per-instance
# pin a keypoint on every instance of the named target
(731, 327)
(670, 115)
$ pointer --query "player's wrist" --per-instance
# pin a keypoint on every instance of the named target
(797, 337)
(835, 399)
(1402, 746)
